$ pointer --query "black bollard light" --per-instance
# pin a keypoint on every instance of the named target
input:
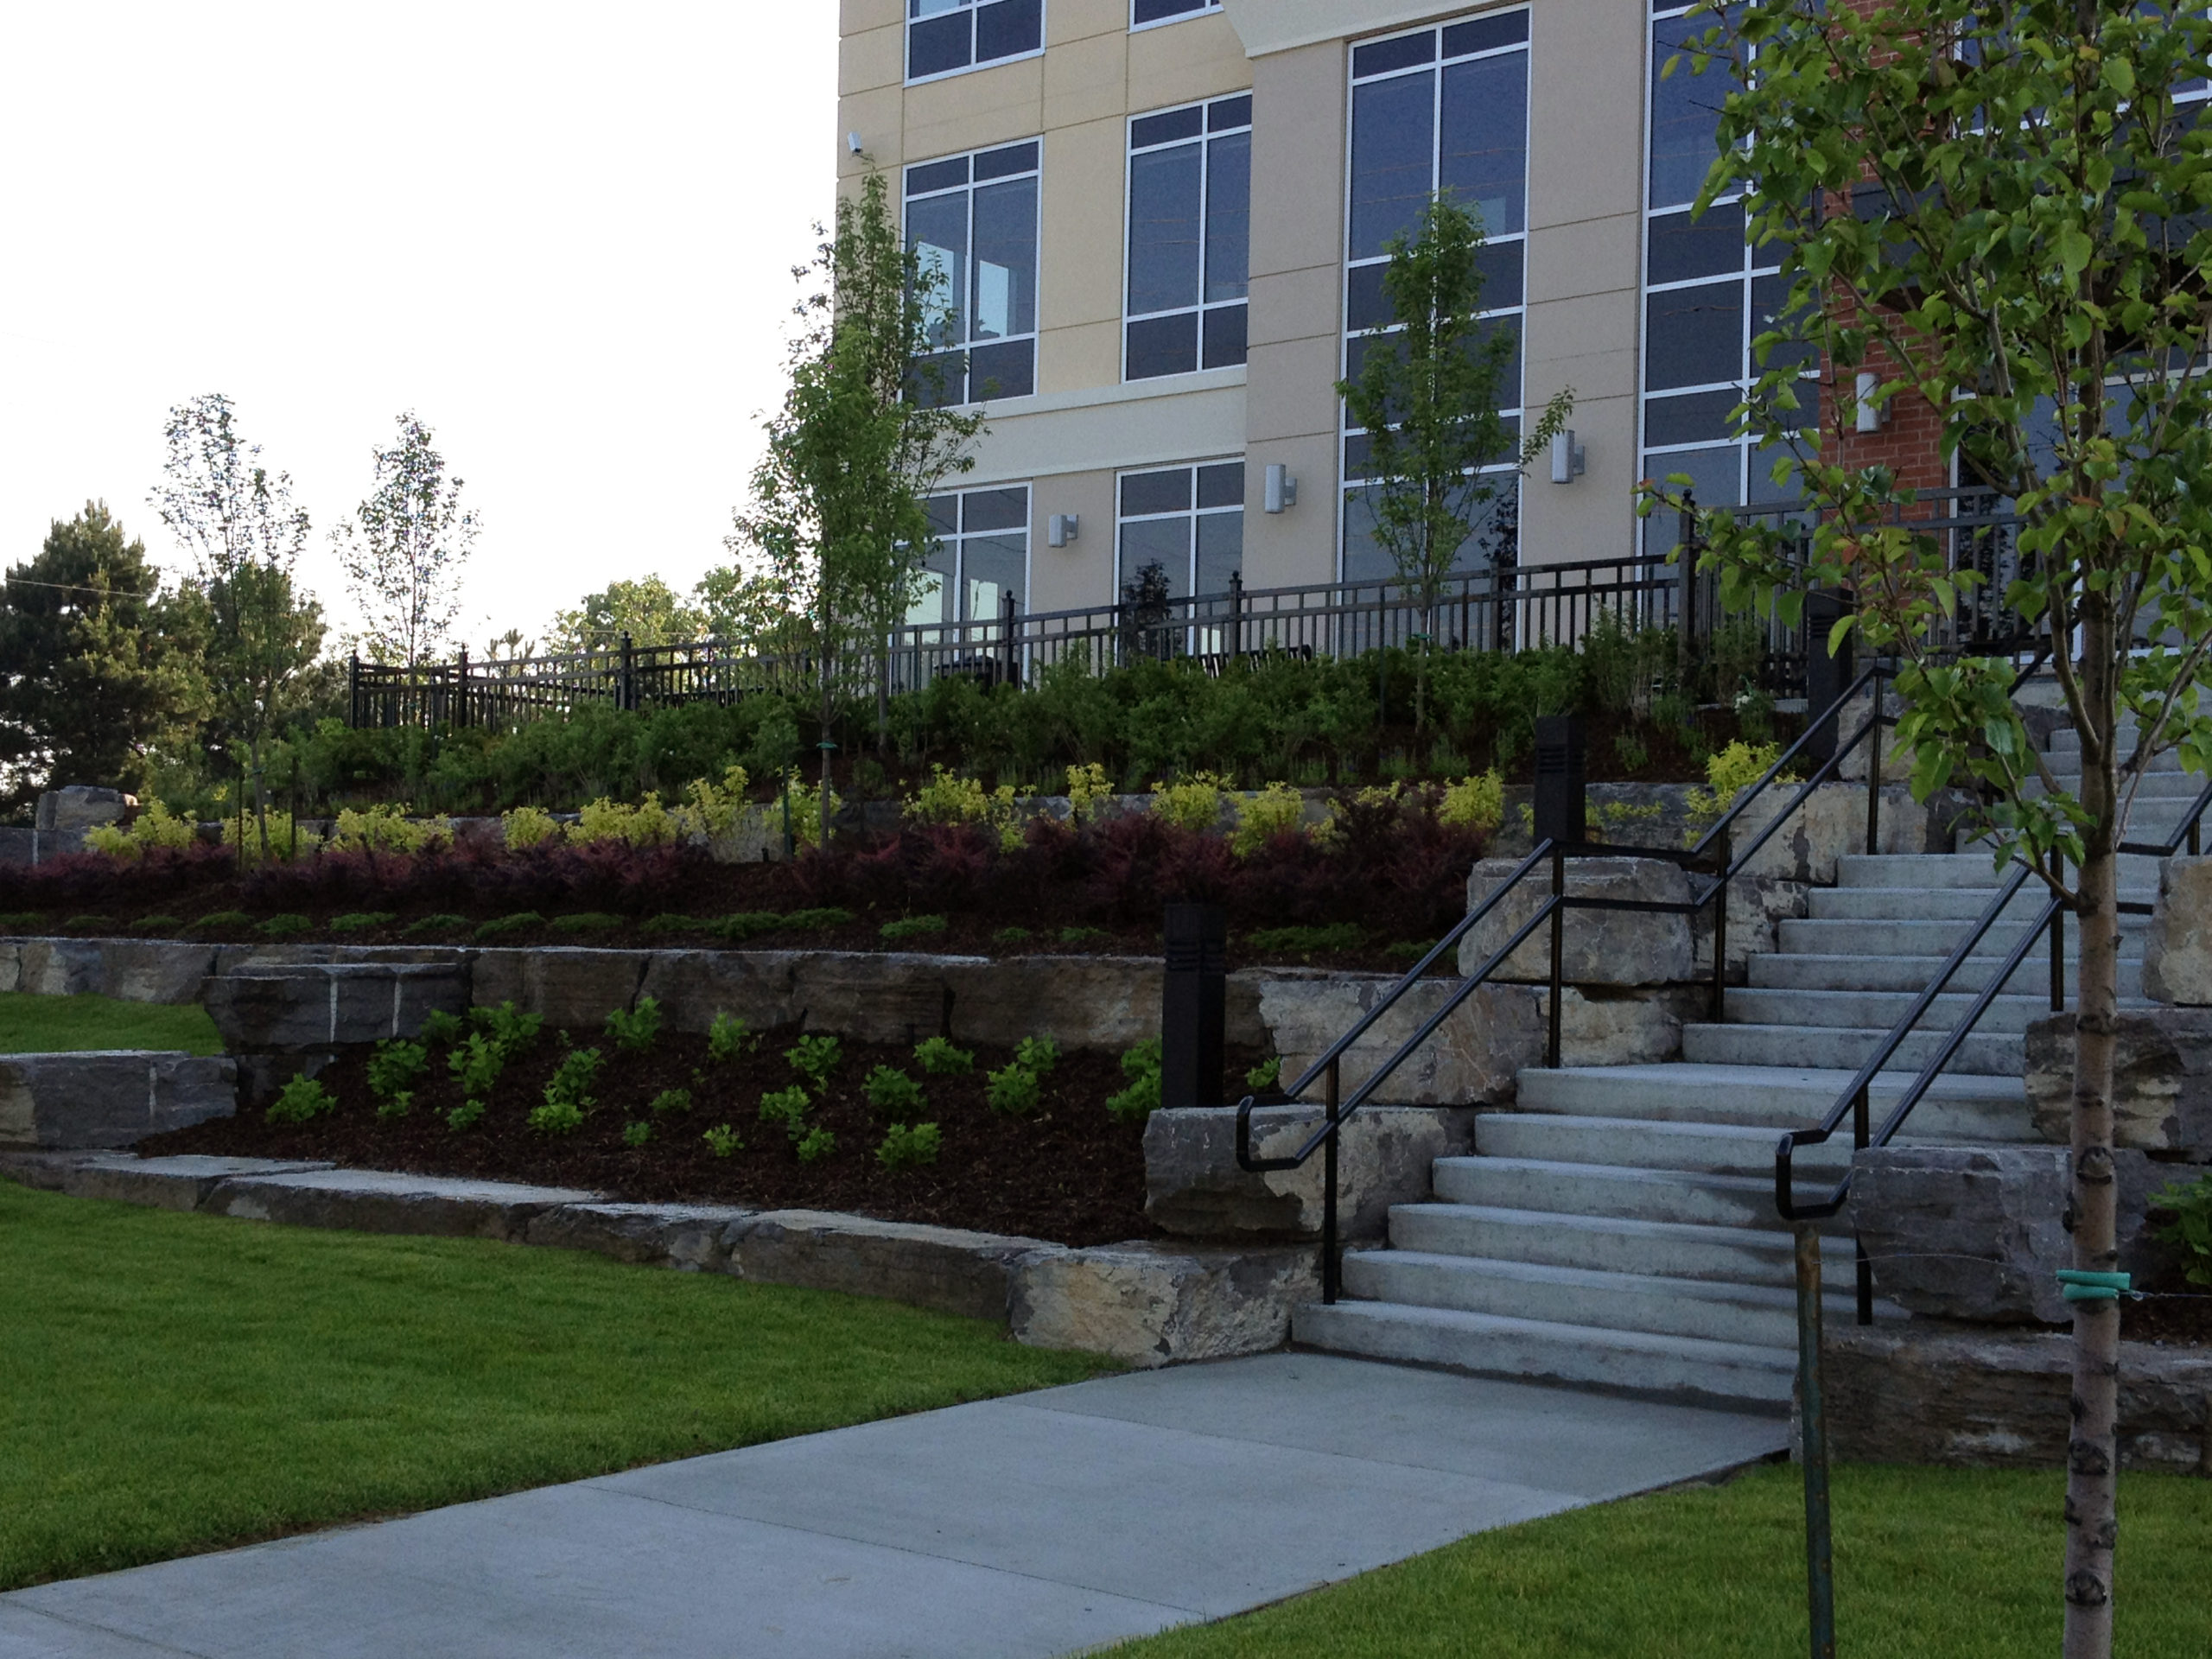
(1194, 1008)
(1559, 774)
(1825, 676)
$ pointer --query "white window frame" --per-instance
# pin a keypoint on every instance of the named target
(1129, 154)
(960, 536)
(906, 32)
(1036, 276)
(1204, 9)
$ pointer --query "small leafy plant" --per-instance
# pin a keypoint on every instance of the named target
(635, 1032)
(913, 927)
(464, 1115)
(1038, 1054)
(1304, 941)
(1081, 934)
(586, 921)
(1264, 1076)
(906, 1145)
(500, 927)
(2189, 1232)
(443, 922)
(394, 1068)
(476, 1063)
(637, 1134)
(157, 925)
(817, 1143)
(787, 1107)
(894, 1094)
(746, 924)
(224, 919)
(302, 1101)
(817, 920)
(362, 921)
(1140, 1066)
(669, 1100)
(814, 1058)
(937, 1056)
(285, 925)
(509, 1030)
(441, 1026)
(1012, 1091)
(722, 1141)
(572, 1079)
(85, 923)
(729, 1037)
(669, 922)
(556, 1116)
(1011, 936)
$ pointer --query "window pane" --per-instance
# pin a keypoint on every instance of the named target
(1007, 28)
(1003, 163)
(1700, 417)
(1685, 113)
(1163, 542)
(1494, 543)
(937, 45)
(1363, 560)
(1162, 345)
(1708, 246)
(1366, 306)
(1150, 11)
(1164, 229)
(1008, 371)
(1385, 55)
(1221, 550)
(1500, 263)
(1764, 489)
(937, 230)
(1509, 377)
(1006, 259)
(932, 605)
(1693, 336)
(1224, 338)
(1392, 144)
(1716, 480)
(1483, 162)
(939, 380)
(1149, 130)
(991, 569)
(945, 513)
(1228, 215)
(937, 175)
(1224, 114)
(996, 509)
(1770, 311)
(1221, 485)
(1162, 492)
(1485, 33)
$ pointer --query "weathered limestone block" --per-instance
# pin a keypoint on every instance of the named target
(1108, 1003)
(687, 1236)
(378, 1201)
(890, 997)
(2162, 1081)
(311, 1006)
(1636, 1027)
(1833, 822)
(63, 967)
(947, 1269)
(1978, 1233)
(167, 971)
(1599, 947)
(1920, 1393)
(694, 986)
(1897, 757)
(1472, 1059)
(1756, 904)
(1194, 1188)
(2177, 954)
(65, 814)
(1151, 1304)
(109, 1099)
(175, 1183)
(568, 985)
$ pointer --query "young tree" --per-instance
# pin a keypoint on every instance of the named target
(96, 669)
(839, 516)
(403, 549)
(1427, 395)
(647, 610)
(238, 519)
(2000, 212)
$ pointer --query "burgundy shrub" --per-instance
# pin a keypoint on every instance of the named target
(75, 879)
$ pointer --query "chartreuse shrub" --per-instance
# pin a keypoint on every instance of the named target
(729, 1037)
(894, 1094)
(913, 927)
(1140, 1066)
(526, 827)
(1727, 775)
(568, 1098)
(387, 829)
(1278, 809)
(1264, 1076)
(1088, 788)
(1193, 802)
(1476, 802)
(302, 1101)
(906, 1145)
(948, 798)
(155, 829)
(937, 1056)
(638, 1030)
(722, 1141)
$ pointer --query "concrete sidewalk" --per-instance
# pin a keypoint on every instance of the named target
(1029, 1526)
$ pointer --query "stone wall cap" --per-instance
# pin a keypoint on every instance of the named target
(399, 1184)
(836, 1221)
(195, 1166)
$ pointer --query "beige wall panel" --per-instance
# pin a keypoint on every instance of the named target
(1589, 255)
(1080, 226)
(1079, 20)
(1185, 61)
(973, 112)
(1084, 358)
(872, 58)
(1266, 26)
(1123, 426)
(876, 116)
(1593, 518)
(1298, 160)
(854, 16)
(1086, 81)
(1286, 550)
(1082, 573)
(1296, 305)
(1586, 110)
(1588, 343)
(1293, 389)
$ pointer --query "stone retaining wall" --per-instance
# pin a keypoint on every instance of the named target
(110, 1099)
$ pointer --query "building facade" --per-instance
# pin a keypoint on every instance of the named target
(1159, 230)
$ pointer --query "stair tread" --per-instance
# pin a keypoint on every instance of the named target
(1807, 1079)
(1698, 1232)
(1706, 1349)
(1773, 1296)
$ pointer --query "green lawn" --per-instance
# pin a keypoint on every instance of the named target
(1950, 1564)
(30, 1024)
(176, 1382)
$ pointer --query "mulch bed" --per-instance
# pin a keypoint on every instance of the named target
(1069, 1171)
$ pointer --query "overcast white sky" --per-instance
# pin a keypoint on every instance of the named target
(563, 234)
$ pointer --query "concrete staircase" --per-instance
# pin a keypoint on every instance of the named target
(1618, 1228)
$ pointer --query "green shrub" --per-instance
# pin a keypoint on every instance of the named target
(556, 1116)
(746, 923)
(444, 922)
(394, 1068)
(1305, 941)
(906, 1145)
(1140, 1066)
(817, 1143)
(636, 1135)
(1011, 936)
(570, 1083)
(499, 927)
(464, 1115)
(814, 1058)
(2189, 1232)
(441, 1026)
(937, 1056)
(1038, 1054)
(1081, 934)
(894, 1094)
(1012, 1091)
(1264, 1076)
(820, 920)
(729, 1037)
(913, 927)
(787, 1107)
(636, 1031)
(399, 1103)
(285, 926)
(669, 1100)
(157, 925)
(15, 919)
(362, 921)
(224, 919)
(85, 923)
(512, 1030)
(722, 1141)
(1409, 950)
(301, 1100)
(476, 1063)
(670, 923)
(586, 921)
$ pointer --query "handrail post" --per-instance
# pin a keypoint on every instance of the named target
(1330, 1272)
(1559, 955)
(1720, 934)
(1812, 1414)
(1874, 773)
(1863, 1269)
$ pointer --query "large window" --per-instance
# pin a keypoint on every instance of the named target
(1440, 111)
(981, 557)
(1188, 522)
(1166, 11)
(1190, 230)
(972, 222)
(945, 36)
(1707, 293)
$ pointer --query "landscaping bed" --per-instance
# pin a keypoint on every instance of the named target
(1058, 1166)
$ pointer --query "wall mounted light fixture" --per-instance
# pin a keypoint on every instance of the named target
(1280, 490)
(1567, 459)
(1873, 416)
(853, 143)
(1061, 528)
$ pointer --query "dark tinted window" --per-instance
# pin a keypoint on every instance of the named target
(1383, 56)
(1709, 246)
(1693, 336)
(1164, 492)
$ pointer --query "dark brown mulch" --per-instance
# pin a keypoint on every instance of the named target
(2182, 1316)
(1069, 1171)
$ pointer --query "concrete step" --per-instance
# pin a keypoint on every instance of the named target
(1763, 1315)
(1689, 1197)
(1880, 1010)
(1795, 934)
(1643, 1143)
(2159, 784)
(1541, 1351)
(1916, 870)
(1983, 1053)
(1740, 1256)
(2067, 741)
(1932, 904)
(1812, 972)
(1958, 1108)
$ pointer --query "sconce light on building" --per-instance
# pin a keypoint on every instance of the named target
(1873, 416)
(1061, 527)
(1281, 489)
(853, 143)
(1567, 460)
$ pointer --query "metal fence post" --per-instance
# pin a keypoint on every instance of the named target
(1332, 1269)
(626, 690)
(1720, 933)
(1812, 1413)
(461, 692)
(1874, 773)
